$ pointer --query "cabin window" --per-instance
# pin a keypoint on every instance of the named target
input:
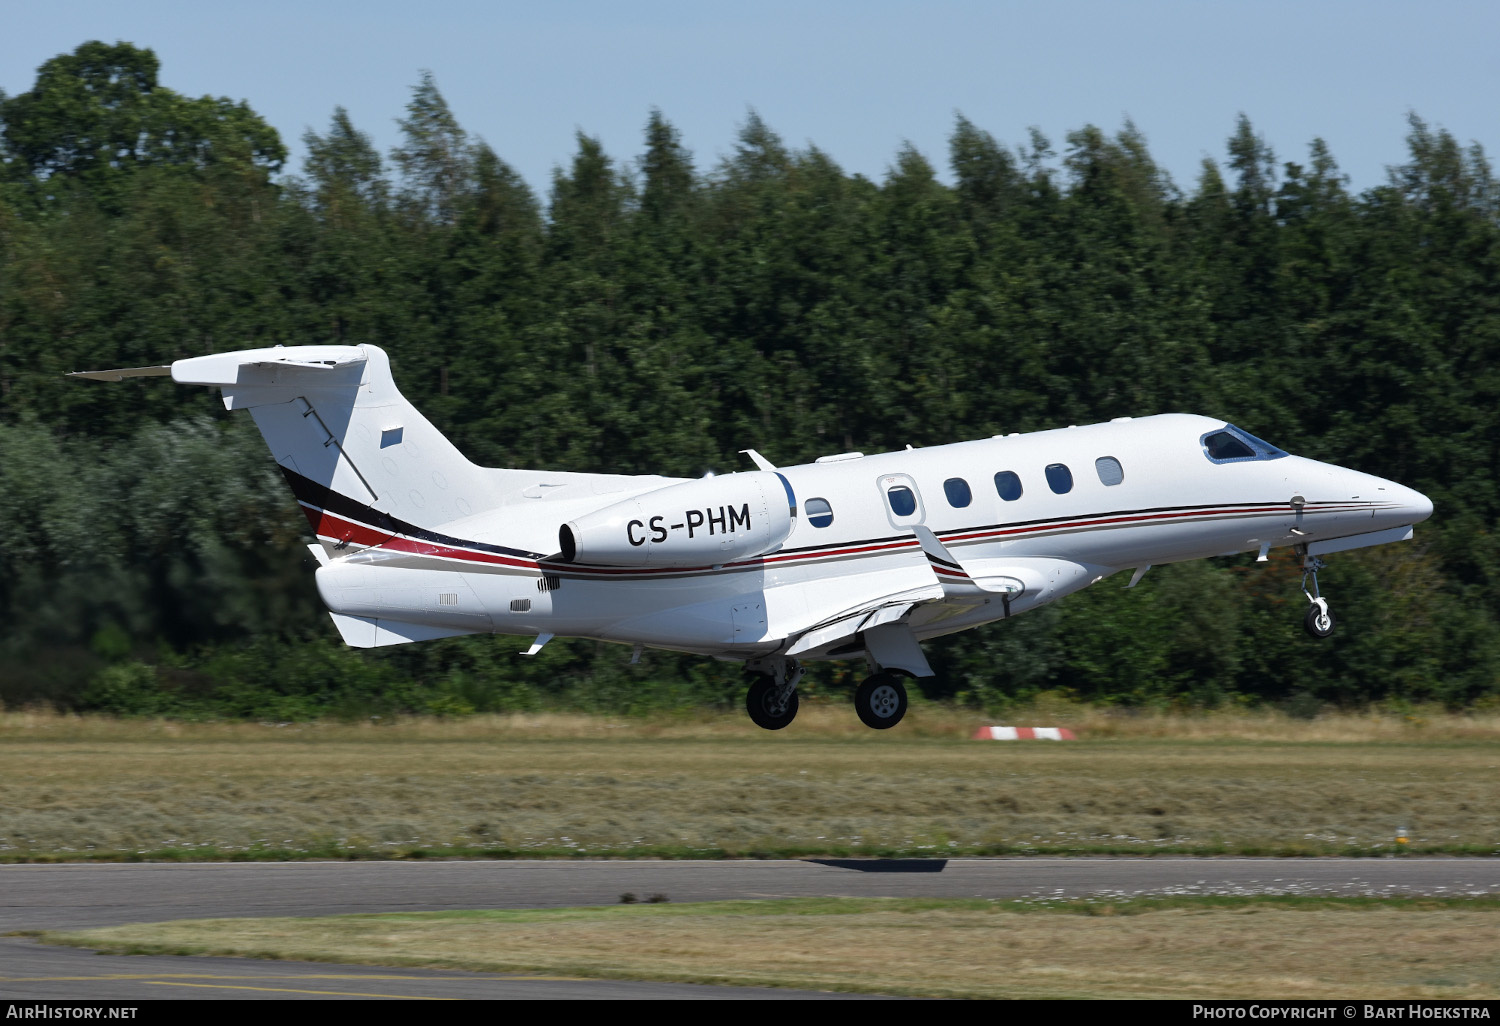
(1059, 478)
(1231, 445)
(957, 490)
(819, 513)
(1110, 471)
(1008, 484)
(903, 501)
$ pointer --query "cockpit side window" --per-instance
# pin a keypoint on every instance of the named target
(1231, 445)
(1223, 445)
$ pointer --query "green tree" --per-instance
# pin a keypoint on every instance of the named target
(100, 111)
(434, 156)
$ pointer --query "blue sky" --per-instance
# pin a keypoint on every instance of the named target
(856, 79)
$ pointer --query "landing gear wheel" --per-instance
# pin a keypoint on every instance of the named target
(761, 704)
(1319, 621)
(881, 701)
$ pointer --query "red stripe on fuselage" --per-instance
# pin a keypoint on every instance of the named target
(1139, 518)
(426, 548)
(326, 525)
(338, 529)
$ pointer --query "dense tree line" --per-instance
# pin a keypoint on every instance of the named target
(652, 315)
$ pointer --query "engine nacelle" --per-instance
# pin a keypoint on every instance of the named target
(696, 523)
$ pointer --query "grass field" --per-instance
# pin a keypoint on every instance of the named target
(1181, 948)
(571, 785)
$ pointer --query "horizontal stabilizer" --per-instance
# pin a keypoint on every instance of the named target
(364, 632)
(122, 373)
(322, 365)
(263, 368)
(227, 369)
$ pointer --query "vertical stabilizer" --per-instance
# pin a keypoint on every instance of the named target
(362, 460)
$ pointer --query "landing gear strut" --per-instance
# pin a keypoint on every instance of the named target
(881, 700)
(772, 698)
(1319, 621)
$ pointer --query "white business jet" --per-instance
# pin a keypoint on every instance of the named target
(851, 556)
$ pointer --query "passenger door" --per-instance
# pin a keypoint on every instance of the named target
(901, 500)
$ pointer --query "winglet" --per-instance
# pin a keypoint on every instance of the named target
(948, 569)
(957, 582)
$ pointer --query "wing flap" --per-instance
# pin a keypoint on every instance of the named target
(848, 627)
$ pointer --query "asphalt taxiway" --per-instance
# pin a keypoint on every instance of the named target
(79, 895)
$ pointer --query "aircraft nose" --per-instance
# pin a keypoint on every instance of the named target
(1405, 505)
(1394, 504)
(1418, 506)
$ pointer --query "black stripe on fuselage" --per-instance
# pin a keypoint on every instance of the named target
(310, 493)
(1016, 524)
(320, 497)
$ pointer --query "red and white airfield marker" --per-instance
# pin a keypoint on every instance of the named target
(1024, 734)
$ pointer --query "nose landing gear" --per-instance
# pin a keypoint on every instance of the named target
(1319, 621)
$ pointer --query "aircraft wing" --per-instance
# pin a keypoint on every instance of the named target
(959, 585)
(950, 589)
(847, 626)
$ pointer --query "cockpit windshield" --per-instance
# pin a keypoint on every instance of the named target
(1231, 445)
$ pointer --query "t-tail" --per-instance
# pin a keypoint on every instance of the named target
(363, 463)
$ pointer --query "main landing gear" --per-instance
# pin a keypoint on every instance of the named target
(881, 700)
(772, 698)
(1319, 621)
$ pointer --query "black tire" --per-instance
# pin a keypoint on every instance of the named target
(758, 703)
(881, 701)
(1318, 623)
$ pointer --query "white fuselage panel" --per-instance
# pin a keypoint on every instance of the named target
(850, 548)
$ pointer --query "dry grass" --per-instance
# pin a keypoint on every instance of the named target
(560, 785)
(819, 717)
(1257, 949)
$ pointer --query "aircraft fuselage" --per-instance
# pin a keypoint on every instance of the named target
(1171, 503)
(850, 556)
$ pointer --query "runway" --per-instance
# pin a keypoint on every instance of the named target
(85, 895)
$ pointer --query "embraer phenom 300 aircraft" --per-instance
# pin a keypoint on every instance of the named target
(851, 556)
